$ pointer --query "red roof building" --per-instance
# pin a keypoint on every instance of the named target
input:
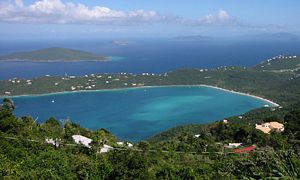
(245, 149)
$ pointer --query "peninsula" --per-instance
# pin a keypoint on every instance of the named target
(54, 54)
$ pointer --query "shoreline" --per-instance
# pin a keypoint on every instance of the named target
(129, 88)
(245, 94)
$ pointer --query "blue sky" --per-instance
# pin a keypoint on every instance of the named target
(146, 18)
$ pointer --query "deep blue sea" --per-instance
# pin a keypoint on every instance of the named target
(144, 55)
(137, 114)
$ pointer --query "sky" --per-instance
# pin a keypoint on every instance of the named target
(146, 18)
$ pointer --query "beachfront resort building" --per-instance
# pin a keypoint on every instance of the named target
(268, 126)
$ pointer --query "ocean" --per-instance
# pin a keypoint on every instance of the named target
(144, 55)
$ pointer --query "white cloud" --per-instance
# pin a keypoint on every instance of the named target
(222, 18)
(62, 12)
(57, 11)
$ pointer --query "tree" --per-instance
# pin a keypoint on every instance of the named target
(292, 120)
(8, 103)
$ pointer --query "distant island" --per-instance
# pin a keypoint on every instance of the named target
(54, 54)
(193, 38)
(122, 42)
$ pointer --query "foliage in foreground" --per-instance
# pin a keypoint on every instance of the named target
(181, 157)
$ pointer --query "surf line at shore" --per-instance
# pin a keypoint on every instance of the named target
(129, 88)
(245, 94)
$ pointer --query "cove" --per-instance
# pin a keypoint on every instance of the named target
(138, 113)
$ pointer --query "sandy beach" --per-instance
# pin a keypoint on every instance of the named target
(236, 92)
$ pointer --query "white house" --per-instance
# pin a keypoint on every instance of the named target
(234, 145)
(197, 135)
(105, 149)
(120, 143)
(52, 141)
(225, 121)
(82, 140)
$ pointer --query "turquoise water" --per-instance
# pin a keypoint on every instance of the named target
(137, 114)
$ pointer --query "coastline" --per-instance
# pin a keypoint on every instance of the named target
(129, 88)
(245, 94)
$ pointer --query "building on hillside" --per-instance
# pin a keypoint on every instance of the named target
(120, 143)
(245, 149)
(197, 135)
(129, 144)
(225, 121)
(82, 140)
(233, 145)
(105, 149)
(54, 142)
(268, 126)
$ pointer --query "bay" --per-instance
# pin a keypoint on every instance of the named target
(139, 113)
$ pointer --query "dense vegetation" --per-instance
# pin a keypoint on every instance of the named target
(24, 153)
(55, 54)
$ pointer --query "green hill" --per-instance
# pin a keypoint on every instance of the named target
(55, 54)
